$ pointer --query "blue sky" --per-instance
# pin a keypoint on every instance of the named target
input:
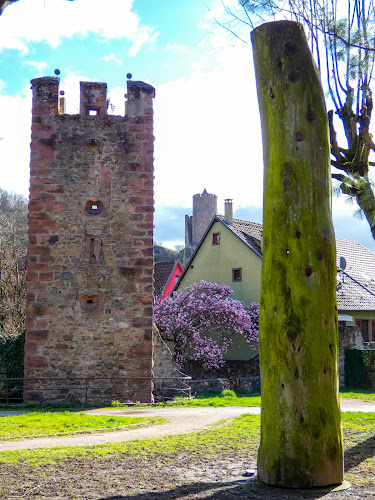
(207, 125)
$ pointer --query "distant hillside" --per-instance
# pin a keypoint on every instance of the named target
(163, 254)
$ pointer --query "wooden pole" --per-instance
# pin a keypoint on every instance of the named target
(301, 437)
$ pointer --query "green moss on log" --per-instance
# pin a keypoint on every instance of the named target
(301, 437)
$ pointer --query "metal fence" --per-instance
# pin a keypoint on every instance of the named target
(94, 390)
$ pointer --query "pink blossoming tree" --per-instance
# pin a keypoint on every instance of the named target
(203, 321)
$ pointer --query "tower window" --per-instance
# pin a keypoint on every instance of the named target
(89, 302)
(93, 249)
(237, 274)
(216, 239)
(94, 207)
(92, 111)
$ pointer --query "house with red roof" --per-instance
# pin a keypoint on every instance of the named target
(166, 275)
(230, 252)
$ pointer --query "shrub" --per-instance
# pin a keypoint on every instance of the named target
(227, 393)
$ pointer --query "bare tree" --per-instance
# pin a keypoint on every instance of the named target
(5, 3)
(13, 251)
(342, 39)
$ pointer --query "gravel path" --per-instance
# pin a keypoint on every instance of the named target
(181, 421)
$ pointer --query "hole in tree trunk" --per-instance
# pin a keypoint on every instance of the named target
(300, 136)
(311, 115)
(308, 271)
(290, 47)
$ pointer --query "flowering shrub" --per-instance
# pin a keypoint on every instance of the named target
(203, 320)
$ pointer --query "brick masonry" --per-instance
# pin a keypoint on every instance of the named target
(90, 257)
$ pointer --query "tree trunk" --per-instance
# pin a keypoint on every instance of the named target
(366, 201)
(301, 437)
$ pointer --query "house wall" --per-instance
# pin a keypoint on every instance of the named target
(363, 315)
(214, 263)
(90, 257)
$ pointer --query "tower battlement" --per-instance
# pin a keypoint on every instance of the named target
(93, 97)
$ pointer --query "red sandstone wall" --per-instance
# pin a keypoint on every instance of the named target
(90, 257)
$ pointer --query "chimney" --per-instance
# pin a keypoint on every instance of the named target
(228, 210)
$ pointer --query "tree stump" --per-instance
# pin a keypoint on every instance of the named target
(301, 436)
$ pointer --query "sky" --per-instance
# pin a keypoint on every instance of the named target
(207, 125)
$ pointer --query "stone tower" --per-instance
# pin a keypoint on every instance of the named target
(204, 208)
(90, 257)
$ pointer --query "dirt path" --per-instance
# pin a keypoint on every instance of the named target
(181, 421)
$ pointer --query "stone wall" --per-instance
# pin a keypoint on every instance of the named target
(350, 337)
(90, 257)
(168, 381)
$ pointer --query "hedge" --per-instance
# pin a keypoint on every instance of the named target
(360, 368)
(12, 353)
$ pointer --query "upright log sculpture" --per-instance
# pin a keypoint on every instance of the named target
(301, 437)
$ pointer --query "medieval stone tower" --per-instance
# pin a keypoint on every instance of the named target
(90, 257)
(204, 208)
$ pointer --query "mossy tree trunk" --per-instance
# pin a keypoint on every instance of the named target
(301, 437)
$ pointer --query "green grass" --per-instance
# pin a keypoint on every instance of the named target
(359, 444)
(362, 394)
(37, 424)
(230, 398)
(208, 399)
(234, 436)
(240, 435)
(226, 398)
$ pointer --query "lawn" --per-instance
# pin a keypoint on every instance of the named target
(230, 398)
(226, 398)
(362, 394)
(189, 464)
(41, 424)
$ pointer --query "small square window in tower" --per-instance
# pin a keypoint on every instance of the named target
(216, 239)
(237, 274)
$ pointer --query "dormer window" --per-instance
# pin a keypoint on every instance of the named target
(216, 239)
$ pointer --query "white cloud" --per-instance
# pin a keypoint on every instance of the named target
(112, 58)
(50, 20)
(178, 48)
(15, 125)
(117, 100)
(39, 66)
(208, 134)
(69, 83)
